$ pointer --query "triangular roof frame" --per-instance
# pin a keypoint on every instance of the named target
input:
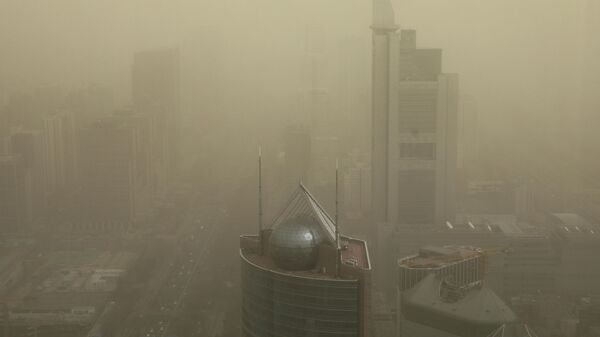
(303, 202)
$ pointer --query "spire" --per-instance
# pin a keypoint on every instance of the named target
(338, 257)
(383, 15)
(260, 211)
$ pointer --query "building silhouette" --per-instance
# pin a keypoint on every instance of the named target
(441, 294)
(414, 110)
(15, 194)
(299, 280)
(30, 146)
(155, 82)
(114, 184)
(61, 152)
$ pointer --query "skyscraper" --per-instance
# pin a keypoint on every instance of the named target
(113, 174)
(156, 92)
(301, 278)
(414, 109)
(591, 100)
(61, 151)
(30, 146)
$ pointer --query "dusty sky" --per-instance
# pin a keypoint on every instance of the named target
(517, 58)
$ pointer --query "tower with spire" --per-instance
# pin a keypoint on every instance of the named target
(302, 277)
(414, 126)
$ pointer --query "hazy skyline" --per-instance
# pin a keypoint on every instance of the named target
(518, 60)
(131, 175)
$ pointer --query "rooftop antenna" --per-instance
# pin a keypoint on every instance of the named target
(260, 211)
(337, 226)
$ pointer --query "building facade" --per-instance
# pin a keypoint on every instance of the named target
(441, 294)
(113, 182)
(15, 194)
(156, 91)
(295, 282)
(414, 109)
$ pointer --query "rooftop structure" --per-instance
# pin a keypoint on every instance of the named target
(441, 293)
(465, 265)
(299, 276)
(572, 225)
(438, 307)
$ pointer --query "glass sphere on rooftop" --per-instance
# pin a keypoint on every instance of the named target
(295, 243)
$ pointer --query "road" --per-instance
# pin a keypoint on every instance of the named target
(194, 276)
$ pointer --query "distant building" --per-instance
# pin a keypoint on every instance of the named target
(324, 152)
(468, 133)
(31, 146)
(414, 110)
(441, 294)
(4, 129)
(590, 86)
(357, 192)
(15, 194)
(156, 91)
(437, 307)
(61, 151)
(515, 198)
(579, 242)
(315, 96)
(530, 267)
(90, 103)
(146, 166)
(296, 282)
(28, 110)
(113, 176)
(356, 186)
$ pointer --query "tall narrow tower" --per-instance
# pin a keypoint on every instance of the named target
(384, 54)
(414, 127)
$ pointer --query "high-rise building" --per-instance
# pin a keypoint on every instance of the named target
(145, 162)
(414, 109)
(301, 278)
(441, 294)
(30, 146)
(90, 103)
(356, 186)
(15, 194)
(4, 127)
(156, 91)
(4, 132)
(590, 86)
(112, 176)
(468, 134)
(61, 151)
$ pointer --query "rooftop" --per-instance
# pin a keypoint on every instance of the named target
(302, 241)
(466, 311)
(436, 257)
(354, 253)
(573, 225)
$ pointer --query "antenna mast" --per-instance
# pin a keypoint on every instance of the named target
(337, 227)
(260, 211)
